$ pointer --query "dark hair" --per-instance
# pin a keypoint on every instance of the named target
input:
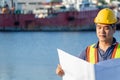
(113, 25)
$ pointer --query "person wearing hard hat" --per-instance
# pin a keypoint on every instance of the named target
(107, 47)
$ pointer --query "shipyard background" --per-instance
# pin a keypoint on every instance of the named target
(71, 15)
(33, 55)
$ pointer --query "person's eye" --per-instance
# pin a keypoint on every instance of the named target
(98, 27)
(107, 28)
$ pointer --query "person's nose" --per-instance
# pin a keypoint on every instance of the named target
(102, 30)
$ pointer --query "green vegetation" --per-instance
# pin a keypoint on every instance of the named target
(102, 2)
(55, 1)
(114, 0)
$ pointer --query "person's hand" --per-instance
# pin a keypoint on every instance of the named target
(59, 70)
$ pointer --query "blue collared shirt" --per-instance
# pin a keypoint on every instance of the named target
(101, 54)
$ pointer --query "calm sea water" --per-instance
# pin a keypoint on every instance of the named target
(33, 55)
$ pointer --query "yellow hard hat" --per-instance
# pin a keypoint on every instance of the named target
(106, 16)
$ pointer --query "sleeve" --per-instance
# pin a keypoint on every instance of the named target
(82, 55)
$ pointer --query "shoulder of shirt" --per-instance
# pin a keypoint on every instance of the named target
(95, 45)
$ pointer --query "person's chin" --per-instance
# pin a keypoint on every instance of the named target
(102, 40)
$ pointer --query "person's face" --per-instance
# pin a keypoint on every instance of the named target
(105, 32)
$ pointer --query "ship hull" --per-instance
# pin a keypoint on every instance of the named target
(59, 21)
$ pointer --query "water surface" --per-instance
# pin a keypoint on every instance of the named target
(33, 55)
